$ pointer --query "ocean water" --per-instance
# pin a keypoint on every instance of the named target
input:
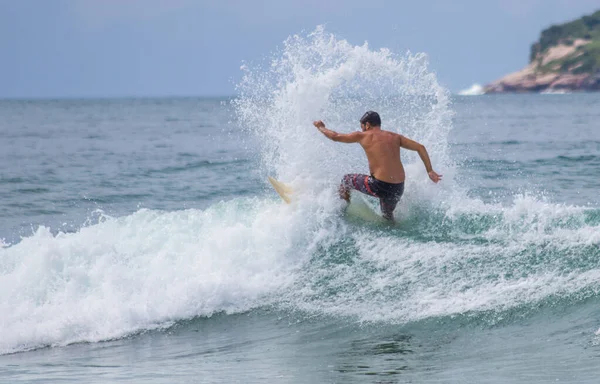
(142, 242)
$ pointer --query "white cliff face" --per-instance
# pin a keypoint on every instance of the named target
(559, 52)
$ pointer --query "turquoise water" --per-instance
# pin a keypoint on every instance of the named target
(141, 241)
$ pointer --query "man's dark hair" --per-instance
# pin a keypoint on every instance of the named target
(371, 118)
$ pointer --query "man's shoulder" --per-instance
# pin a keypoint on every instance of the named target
(391, 135)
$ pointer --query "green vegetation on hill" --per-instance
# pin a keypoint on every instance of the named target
(587, 57)
(588, 62)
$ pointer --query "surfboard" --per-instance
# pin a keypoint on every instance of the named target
(284, 191)
(359, 207)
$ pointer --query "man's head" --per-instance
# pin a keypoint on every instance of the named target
(370, 120)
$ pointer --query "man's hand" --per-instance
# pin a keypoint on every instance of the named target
(353, 137)
(434, 176)
(319, 124)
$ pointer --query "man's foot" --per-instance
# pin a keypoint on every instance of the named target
(344, 193)
(389, 218)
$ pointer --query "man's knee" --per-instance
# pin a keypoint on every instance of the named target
(347, 181)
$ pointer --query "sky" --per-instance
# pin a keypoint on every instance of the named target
(123, 48)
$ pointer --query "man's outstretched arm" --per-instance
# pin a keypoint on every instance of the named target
(420, 149)
(353, 137)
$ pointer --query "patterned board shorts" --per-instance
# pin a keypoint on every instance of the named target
(388, 194)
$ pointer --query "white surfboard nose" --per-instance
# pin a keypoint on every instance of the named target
(284, 191)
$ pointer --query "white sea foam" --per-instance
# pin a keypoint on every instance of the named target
(151, 268)
(144, 270)
(322, 77)
(474, 90)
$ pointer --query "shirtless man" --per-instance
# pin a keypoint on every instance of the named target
(383, 153)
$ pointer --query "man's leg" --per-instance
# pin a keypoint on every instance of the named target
(390, 200)
(355, 181)
(387, 207)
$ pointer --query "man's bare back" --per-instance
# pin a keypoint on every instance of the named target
(383, 153)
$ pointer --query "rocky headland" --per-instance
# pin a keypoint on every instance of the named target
(566, 58)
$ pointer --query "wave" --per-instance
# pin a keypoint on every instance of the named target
(150, 269)
(142, 271)
(468, 257)
(190, 166)
(474, 90)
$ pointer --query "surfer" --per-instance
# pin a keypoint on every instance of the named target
(383, 153)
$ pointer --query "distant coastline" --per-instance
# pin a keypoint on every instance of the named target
(565, 59)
